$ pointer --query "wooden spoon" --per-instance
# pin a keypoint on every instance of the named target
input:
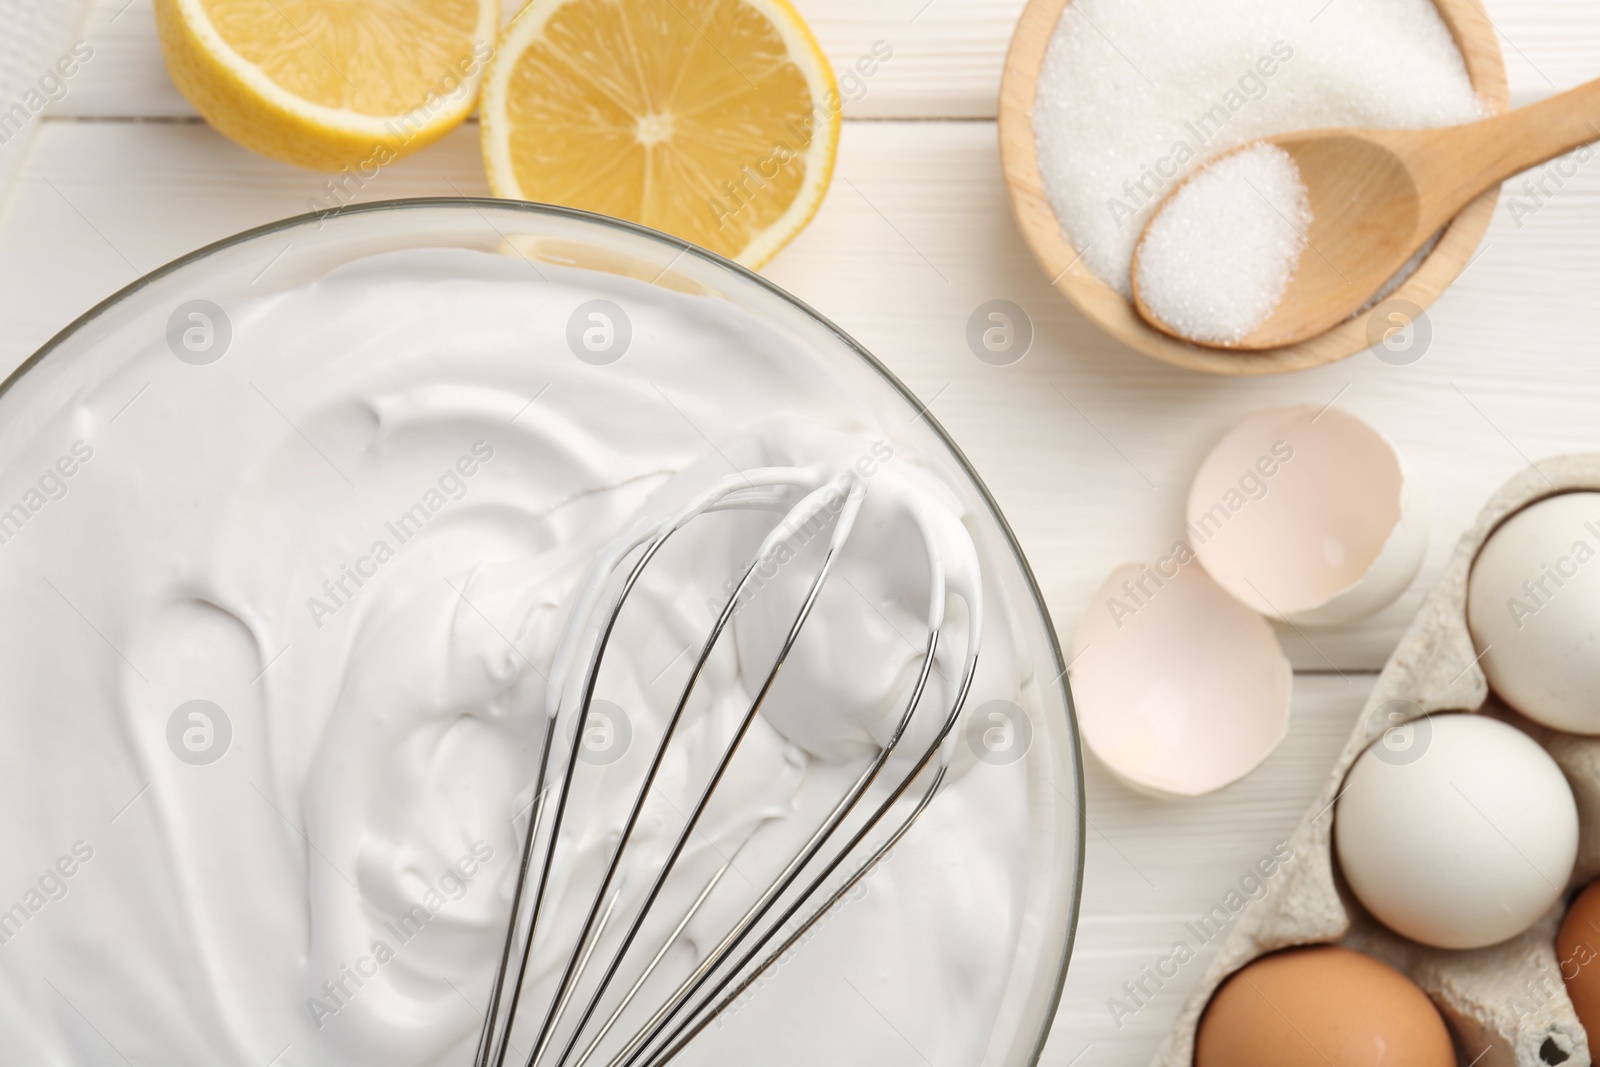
(1377, 196)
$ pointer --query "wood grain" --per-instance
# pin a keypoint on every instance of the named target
(948, 55)
(1089, 452)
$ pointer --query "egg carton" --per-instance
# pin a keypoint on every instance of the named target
(1506, 1004)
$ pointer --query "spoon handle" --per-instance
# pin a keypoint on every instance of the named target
(1463, 161)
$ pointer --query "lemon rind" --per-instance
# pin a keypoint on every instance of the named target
(240, 100)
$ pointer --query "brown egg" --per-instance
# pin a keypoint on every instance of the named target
(1578, 950)
(1321, 1007)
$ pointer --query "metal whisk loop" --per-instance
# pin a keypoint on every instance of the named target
(737, 961)
(494, 1041)
(687, 1028)
(802, 513)
(786, 879)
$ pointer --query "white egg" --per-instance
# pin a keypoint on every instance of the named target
(1179, 688)
(1533, 606)
(1461, 838)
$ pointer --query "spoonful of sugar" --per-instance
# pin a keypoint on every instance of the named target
(1285, 238)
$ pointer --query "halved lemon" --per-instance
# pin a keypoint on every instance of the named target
(329, 84)
(716, 121)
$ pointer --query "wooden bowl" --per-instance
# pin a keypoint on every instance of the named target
(1480, 47)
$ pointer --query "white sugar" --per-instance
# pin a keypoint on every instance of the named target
(1218, 257)
(1135, 94)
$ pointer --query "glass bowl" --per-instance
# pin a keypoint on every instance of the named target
(113, 773)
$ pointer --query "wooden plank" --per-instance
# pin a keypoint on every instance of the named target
(1088, 446)
(125, 77)
(946, 63)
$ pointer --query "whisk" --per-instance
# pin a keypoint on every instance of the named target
(606, 1023)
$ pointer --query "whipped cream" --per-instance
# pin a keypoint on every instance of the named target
(275, 676)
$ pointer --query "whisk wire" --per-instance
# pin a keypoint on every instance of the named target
(713, 985)
(684, 1033)
(786, 879)
(841, 533)
(488, 1046)
(666, 946)
(827, 872)
(495, 1039)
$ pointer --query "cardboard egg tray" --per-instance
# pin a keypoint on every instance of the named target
(1506, 1004)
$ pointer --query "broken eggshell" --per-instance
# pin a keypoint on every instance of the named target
(1180, 689)
(1305, 514)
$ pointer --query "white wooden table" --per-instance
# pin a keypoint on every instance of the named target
(1088, 447)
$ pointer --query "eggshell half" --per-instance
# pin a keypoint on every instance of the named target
(1305, 514)
(1533, 606)
(1179, 688)
(1322, 1007)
